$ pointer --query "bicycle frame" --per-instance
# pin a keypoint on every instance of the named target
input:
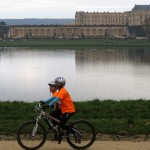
(42, 113)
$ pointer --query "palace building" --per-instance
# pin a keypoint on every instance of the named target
(137, 16)
(91, 25)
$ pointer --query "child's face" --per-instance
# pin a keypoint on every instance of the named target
(52, 88)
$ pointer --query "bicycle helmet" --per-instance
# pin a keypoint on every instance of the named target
(52, 83)
(60, 81)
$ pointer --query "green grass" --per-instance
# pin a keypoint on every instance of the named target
(74, 42)
(108, 117)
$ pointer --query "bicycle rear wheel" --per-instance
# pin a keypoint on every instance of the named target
(30, 136)
(84, 135)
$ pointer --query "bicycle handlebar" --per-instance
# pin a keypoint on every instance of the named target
(38, 108)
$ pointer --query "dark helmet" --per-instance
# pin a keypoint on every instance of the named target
(60, 81)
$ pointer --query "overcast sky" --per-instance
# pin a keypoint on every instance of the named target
(62, 8)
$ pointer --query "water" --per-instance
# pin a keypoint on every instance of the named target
(103, 73)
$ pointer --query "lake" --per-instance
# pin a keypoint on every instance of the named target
(105, 73)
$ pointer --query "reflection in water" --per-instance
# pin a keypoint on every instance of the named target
(119, 73)
(135, 55)
(24, 73)
(105, 73)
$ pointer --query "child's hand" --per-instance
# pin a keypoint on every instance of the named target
(41, 102)
(45, 106)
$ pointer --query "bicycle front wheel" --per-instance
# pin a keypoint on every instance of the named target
(31, 136)
(82, 136)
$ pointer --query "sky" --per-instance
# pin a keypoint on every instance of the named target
(19, 9)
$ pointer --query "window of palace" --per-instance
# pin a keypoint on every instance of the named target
(16, 32)
(21, 31)
(36, 32)
(48, 32)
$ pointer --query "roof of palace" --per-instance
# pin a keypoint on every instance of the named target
(141, 7)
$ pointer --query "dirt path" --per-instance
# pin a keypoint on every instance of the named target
(98, 145)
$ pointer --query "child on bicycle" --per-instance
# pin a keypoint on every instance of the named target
(56, 108)
(67, 106)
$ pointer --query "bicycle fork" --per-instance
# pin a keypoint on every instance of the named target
(36, 126)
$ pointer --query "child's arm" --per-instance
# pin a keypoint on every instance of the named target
(49, 100)
(56, 99)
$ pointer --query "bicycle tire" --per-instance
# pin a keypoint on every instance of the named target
(88, 132)
(28, 142)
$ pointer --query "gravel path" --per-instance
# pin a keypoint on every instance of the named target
(98, 145)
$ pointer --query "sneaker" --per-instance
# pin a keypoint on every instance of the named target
(58, 134)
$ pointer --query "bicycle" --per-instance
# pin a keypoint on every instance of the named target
(32, 134)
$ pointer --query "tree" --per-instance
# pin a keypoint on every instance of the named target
(2, 23)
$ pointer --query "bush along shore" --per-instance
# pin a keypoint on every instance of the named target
(56, 43)
(124, 117)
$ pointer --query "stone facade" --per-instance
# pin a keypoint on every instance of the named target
(101, 19)
(66, 31)
(135, 17)
(88, 25)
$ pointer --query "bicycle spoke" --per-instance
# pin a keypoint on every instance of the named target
(31, 137)
(84, 135)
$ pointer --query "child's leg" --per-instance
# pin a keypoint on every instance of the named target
(64, 118)
(57, 113)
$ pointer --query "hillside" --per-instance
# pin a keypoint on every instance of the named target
(124, 117)
(36, 21)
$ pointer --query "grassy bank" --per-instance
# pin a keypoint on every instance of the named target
(108, 117)
(74, 42)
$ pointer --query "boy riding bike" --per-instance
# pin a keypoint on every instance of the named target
(67, 106)
(56, 107)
